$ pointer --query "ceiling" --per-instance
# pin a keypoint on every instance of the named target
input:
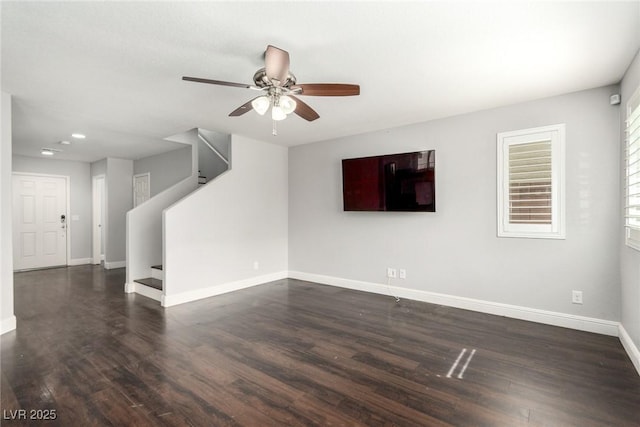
(112, 70)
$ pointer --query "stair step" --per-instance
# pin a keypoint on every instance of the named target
(151, 282)
(156, 272)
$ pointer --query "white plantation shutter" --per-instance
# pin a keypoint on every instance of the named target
(632, 196)
(531, 183)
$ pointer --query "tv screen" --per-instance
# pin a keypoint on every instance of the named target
(394, 182)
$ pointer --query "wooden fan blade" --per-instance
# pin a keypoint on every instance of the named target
(216, 82)
(304, 111)
(276, 62)
(327, 89)
(242, 109)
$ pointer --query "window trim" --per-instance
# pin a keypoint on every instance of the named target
(632, 232)
(557, 229)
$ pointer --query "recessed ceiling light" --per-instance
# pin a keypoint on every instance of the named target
(49, 151)
(78, 136)
(65, 142)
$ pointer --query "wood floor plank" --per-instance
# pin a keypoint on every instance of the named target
(295, 353)
(109, 403)
(7, 396)
(275, 406)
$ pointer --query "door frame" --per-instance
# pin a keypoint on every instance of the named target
(67, 180)
(97, 204)
(148, 175)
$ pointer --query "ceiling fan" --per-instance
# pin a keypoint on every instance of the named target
(280, 89)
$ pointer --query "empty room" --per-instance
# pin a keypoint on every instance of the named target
(355, 213)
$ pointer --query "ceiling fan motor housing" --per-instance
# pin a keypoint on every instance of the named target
(261, 80)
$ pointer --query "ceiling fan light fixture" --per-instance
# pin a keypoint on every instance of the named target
(277, 113)
(287, 104)
(278, 86)
(261, 104)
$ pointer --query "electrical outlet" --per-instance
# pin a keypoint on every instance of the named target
(391, 273)
(256, 265)
(576, 297)
(402, 273)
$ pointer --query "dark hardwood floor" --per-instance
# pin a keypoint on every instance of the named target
(293, 353)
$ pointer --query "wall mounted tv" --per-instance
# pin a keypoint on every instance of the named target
(395, 182)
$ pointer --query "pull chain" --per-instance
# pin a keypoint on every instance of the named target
(274, 131)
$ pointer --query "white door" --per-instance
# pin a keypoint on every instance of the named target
(39, 221)
(141, 188)
(98, 218)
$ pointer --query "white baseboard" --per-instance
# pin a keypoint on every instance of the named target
(144, 290)
(631, 349)
(80, 261)
(589, 324)
(147, 291)
(7, 325)
(114, 264)
(183, 297)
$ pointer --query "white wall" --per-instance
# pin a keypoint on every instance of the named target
(214, 235)
(79, 174)
(144, 230)
(119, 186)
(165, 169)
(99, 167)
(629, 258)
(455, 251)
(7, 318)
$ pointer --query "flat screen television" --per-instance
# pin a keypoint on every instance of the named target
(395, 182)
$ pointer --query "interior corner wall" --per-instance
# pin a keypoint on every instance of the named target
(80, 219)
(214, 236)
(455, 251)
(99, 168)
(119, 190)
(165, 169)
(7, 317)
(629, 258)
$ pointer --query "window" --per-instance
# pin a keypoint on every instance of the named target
(632, 169)
(531, 183)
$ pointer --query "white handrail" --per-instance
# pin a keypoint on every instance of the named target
(218, 153)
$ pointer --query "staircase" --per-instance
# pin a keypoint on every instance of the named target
(155, 281)
(210, 158)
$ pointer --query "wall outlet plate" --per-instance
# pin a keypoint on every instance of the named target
(391, 273)
(576, 297)
(402, 273)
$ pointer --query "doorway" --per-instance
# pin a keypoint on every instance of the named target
(40, 220)
(99, 217)
(141, 188)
